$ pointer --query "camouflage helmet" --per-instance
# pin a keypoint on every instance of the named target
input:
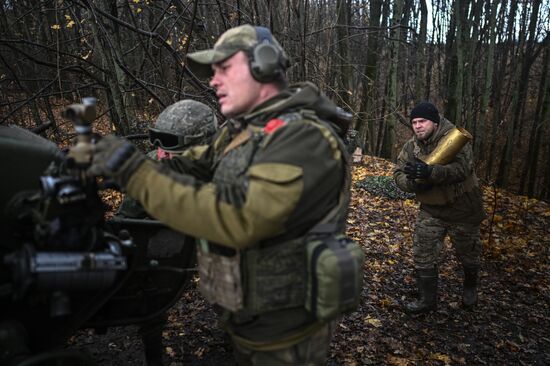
(184, 124)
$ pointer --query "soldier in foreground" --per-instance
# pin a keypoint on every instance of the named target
(450, 203)
(274, 183)
(182, 125)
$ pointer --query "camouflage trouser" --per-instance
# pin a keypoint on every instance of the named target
(312, 351)
(428, 241)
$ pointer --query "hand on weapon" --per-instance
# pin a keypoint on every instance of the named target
(115, 158)
(418, 170)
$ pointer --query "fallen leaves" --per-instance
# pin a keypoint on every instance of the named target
(372, 321)
(441, 357)
(516, 246)
(510, 325)
(170, 351)
(397, 361)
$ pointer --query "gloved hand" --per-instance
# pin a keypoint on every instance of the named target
(418, 170)
(115, 158)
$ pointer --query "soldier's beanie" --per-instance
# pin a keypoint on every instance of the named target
(425, 110)
(241, 38)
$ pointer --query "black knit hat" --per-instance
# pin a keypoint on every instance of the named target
(425, 110)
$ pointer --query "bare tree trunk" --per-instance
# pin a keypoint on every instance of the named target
(388, 150)
(542, 119)
(518, 102)
(420, 66)
(106, 47)
(470, 93)
(342, 57)
(500, 78)
(458, 85)
(449, 73)
(545, 194)
(430, 63)
(479, 131)
(297, 31)
(368, 102)
(384, 24)
(403, 67)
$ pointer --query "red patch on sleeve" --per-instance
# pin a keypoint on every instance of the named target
(273, 125)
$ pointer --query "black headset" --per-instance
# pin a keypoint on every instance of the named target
(267, 61)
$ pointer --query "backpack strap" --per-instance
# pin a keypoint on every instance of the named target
(331, 223)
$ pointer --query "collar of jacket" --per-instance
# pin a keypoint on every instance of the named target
(296, 97)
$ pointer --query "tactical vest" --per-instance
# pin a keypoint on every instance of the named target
(444, 194)
(269, 275)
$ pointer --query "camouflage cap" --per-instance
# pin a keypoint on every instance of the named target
(190, 119)
(241, 38)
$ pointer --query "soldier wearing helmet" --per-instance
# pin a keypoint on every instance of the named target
(180, 126)
(183, 124)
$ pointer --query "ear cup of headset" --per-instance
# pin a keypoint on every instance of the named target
(265, 64)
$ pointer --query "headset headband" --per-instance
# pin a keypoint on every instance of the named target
(263, 34)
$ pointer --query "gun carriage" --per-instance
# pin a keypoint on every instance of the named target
(63, 266)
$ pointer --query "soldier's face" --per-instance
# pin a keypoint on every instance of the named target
(163, 154)
(236, 89)
(423, 128)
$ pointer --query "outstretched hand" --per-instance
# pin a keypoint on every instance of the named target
(115, 158)
(418, 170)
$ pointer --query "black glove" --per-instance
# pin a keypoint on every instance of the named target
(418, 170)
(115, 158)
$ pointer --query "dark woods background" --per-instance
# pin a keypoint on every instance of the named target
(484, 63)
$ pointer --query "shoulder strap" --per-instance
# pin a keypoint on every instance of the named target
(290, 116)
(238, 140)
(328, 224)
(331, 223)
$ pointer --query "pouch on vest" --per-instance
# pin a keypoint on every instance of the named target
(335, 276)
(443, 194)
(275, 277)
(446, 194)
(220, 278)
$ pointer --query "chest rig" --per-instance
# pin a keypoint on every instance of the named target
(267, 276)
(443, 194)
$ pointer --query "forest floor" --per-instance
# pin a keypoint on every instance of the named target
(510, 324)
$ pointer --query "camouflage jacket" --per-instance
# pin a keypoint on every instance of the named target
(455, 180)
(130, 208)
(292, 178)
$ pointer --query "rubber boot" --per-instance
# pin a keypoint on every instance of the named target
(426, 280)
(469, 296)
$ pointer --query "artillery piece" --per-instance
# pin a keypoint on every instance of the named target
(63, 267)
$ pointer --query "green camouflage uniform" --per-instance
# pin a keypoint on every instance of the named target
(451, 206)
(130, 208)
(259, 187)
